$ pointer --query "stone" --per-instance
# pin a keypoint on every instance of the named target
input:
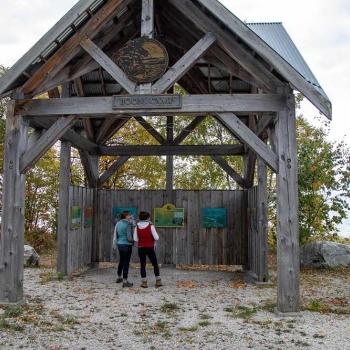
(31, 257)
(325, 255)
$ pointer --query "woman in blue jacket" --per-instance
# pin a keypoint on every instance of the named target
(124, 243)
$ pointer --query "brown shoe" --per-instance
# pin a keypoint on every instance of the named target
(159, 283)
(144, 284)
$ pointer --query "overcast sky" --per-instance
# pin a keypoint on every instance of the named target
(320, 29)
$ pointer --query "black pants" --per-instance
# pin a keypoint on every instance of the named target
(143, 253)
(124, 260)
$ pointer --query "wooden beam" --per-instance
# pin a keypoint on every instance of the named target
(90, 165)
(250, 158)
(112, 170)
(79, 88)
(46, 141)
(151, 130)
(86, 64)
(170, 158)
(228, 43)
(63, 210)
(184, 64)
(191, 104)
(12, 224)
(188, 129)
(147, 18)
(230, 171)
(105, 62)
(77, 140)
(151, 150)
(243, 133)
(20, 66)
(288, 255)
(71, 47)
(109, 127)
(262, 223)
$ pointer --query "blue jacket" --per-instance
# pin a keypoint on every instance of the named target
(122, 232)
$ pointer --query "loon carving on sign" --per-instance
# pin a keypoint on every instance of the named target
(143, 60)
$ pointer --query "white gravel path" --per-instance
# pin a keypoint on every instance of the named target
(194, 310)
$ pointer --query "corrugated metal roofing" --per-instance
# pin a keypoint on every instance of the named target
(275, 35)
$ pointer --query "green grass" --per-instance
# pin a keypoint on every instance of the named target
(204, 323)
(50, 276)
(13, 311)
(243, 312)
(169, 307)
(189, 329)
(314, 306)
(5, 325)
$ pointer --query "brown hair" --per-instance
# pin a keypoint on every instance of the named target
(144, 215)
(124, 215)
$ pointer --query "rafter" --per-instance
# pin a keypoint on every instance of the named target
(188, 129)
(90, 165)
(151, 130)
(71, 47)
(230, 45)
(112, 68)
(184, 64)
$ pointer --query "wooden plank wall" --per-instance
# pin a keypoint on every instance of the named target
(80, 239)
(253, 239)
(191, 244)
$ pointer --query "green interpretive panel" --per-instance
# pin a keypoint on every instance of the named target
(75, 217)
(214, 217)
(169, 216)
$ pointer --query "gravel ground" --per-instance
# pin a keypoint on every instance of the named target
(194, 310)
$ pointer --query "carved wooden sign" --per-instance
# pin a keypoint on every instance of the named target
(143, 60)
(147, 101)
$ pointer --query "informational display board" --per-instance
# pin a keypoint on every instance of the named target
(169, 216)
(75, 217)
(88, 217)
(118, 210)
(214, 217)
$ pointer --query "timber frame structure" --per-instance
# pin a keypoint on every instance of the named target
(229, 73)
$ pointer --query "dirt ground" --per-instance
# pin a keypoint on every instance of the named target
(194, 310)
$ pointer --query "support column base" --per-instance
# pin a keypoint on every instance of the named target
(7, 303)
(287, 314)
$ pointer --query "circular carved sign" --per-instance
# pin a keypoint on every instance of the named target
(143, 60)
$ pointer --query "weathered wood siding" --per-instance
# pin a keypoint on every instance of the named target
(191, 244)
(79, 240)
(253, 239)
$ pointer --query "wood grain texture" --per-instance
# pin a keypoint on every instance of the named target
(288, 255)
(191, 104)
(12, 224)
(46, 141)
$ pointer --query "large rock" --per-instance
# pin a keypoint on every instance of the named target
(325, 254)
(31, 257)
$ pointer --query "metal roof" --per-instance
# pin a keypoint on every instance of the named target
(275, 35)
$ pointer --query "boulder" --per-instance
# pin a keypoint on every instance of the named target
(31, 257)
(325, 254)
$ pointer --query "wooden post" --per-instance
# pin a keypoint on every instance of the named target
(288, 257)
(170, 159)
(262, 218)
(95, 161)
(63, 211)
(12, 230)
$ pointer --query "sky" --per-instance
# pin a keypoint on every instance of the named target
(320, 29)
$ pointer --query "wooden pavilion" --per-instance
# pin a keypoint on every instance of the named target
(107, 61)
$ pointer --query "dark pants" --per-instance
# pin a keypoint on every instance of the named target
(143, 253)
(124, 260)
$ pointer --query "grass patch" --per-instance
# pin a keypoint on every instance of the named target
(204, 323)
(205, 317)
(169, 308)
(243, 312)
(191, 329)
(5, 325)
(13, 311)
(50, 276)
(314, 306)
